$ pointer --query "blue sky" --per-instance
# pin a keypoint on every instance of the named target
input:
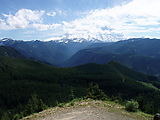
(101, 19)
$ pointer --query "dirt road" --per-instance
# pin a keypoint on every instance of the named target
(92, 110)
(84, 113)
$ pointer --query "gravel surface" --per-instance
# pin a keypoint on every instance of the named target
(83, 113)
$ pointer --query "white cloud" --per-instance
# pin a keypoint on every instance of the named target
(26, 18)
(56, 12)
(21, 19)
(54, 38)
(60, 12)
(136, 16)
(43, 27)
(52, 14)
(3, 25)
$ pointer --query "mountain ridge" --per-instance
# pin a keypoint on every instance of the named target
(52, 52)
(140, 54)
(9, 51)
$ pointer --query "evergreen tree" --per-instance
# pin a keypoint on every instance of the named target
(94, 92)
(5, 116)
(35, 104)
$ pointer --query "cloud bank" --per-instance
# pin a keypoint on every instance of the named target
(23, 18)
(26, 18)
(138, 18)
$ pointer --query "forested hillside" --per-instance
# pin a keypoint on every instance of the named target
(22, 79)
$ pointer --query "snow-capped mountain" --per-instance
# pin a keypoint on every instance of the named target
(6, 41)
(110, 37)
(77, 40)
(62, 40)
(53, 51)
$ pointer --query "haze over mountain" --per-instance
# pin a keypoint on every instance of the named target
(52, 52)
(140, 54)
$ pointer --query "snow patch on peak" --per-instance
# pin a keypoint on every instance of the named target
(76, 40)
(106, 37)
(6, 39)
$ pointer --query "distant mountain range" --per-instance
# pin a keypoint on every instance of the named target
(52, 52)
(140, 54)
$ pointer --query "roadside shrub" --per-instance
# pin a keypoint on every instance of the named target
(61, 105)
(5, 116)
(94, 92)
(17, 116)
(72, 94)
(132, 106)
(71, 103)
(35, 104)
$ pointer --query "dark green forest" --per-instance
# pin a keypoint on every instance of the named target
(24, 83)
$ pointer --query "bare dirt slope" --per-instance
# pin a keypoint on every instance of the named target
(91, 110)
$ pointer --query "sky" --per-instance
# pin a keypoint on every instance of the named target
(99, 19)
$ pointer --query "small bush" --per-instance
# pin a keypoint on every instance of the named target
(72, 94)
(5, 116)
(17, 116)
(71, 103)
(35, 104)
(94, 92)
(61, 105)
(132, 106)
